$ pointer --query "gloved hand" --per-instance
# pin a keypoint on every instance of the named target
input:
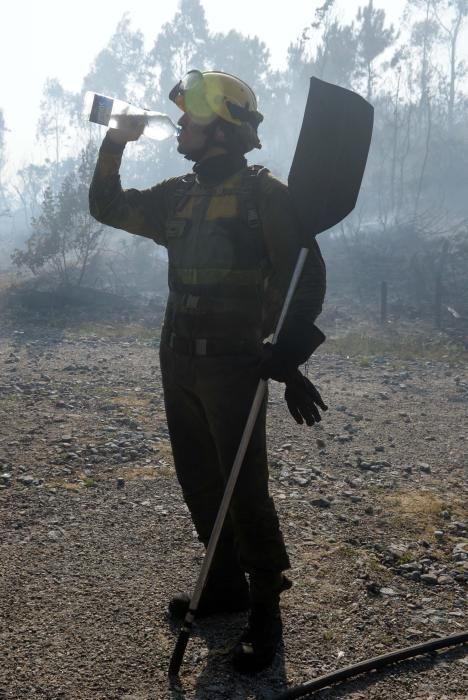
(280, 362)
(303, 399)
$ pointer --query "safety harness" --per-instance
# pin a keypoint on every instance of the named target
(216, 310)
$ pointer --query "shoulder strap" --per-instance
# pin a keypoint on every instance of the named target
(253, 184)
(181, 190)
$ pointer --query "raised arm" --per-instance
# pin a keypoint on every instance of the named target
(142, 212)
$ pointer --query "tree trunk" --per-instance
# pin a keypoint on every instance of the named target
(425, 157)
(453, 71)
(383, 303)
(439, 286)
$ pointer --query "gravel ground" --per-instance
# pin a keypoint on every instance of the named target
(95, 537)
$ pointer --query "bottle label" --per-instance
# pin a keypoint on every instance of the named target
(101, 110)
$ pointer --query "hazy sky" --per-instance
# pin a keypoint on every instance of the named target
(42, 39)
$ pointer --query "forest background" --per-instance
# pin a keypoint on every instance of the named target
(407, 238)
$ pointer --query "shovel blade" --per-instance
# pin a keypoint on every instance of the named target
(330, 157)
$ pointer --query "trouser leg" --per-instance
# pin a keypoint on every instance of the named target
(197, 468)
(227, 387)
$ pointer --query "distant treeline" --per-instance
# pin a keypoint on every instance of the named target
(411, 221)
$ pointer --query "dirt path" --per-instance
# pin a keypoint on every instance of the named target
(94, 535)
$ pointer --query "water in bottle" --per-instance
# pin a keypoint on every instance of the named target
(114, 113)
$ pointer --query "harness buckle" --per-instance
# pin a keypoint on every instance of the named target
(191, 301)
(200, 346)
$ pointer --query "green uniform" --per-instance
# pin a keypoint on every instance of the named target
(232, 245)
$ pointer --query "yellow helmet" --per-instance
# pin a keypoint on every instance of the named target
(212, 94)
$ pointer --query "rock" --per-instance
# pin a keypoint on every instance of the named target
(26, 479)
(388, 591)
(425, 561)
(300, 480)
(396, 550)
(342, 438)
(429, 579)
(321, 502)
(375, 467)
(460, 552)
(409, 566)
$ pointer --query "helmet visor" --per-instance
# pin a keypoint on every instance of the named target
(190, 96)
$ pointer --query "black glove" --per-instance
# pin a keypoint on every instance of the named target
(303, 398)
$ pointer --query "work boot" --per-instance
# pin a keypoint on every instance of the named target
(219, 597)
(259, 643)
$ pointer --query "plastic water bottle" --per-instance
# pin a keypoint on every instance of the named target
(113, 113)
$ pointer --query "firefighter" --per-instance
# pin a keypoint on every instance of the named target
(232, 243)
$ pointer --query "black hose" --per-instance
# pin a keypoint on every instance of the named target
(372, 664)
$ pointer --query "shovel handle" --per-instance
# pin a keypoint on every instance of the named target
(179, 651)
